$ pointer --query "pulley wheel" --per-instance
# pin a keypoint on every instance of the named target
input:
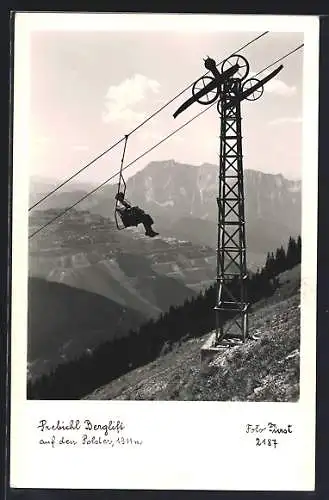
(257, 93)
(241, 61)
(230, 94)
(209, 97)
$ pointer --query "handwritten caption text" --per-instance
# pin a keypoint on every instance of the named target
(85, 433)
(267, 435)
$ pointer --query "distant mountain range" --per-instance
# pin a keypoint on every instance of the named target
(182, 199)
(40, 186)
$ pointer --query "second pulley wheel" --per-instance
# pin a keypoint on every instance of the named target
(254, 88)
(200, 85)
(241, 61)
(230, 94)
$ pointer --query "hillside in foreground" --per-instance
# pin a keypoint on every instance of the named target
(264, 369)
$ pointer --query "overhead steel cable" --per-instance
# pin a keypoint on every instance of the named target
(135, 129)
(147, 151)
(118, 173)
(76, 174)
(191, 84)
(279, 60)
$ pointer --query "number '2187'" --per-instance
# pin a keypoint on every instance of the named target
(266, 442)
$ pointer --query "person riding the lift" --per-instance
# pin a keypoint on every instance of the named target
(132, 216)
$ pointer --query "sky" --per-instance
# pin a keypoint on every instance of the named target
(89, 88)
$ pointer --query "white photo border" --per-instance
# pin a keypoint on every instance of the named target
(180, 439)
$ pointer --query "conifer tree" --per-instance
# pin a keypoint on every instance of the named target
(299, 248)
(280, 260)
(292, 253)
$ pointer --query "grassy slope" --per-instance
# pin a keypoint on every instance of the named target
(265, 369)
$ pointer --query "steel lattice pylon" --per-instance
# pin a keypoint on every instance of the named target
(231, 87)
(231, 248)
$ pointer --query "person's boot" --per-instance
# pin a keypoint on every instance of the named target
(149, 232)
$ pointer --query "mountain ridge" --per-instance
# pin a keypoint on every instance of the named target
(181, 196)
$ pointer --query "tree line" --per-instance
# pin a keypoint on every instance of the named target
(110, 360)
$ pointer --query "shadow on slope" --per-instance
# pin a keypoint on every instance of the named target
(64, 321)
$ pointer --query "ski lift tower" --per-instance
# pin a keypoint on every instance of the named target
(231, 243)
(230, 87)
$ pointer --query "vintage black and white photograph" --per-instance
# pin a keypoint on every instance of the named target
(164, 251)
(165, 215)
